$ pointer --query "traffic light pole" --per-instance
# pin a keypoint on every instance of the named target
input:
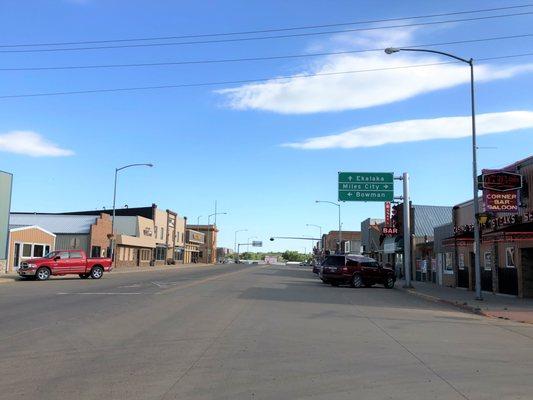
(406, 229)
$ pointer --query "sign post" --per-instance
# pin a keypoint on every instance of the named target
(406, 230)
(6, 186)
(366, 186)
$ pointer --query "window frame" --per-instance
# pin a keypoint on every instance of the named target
(513, 251)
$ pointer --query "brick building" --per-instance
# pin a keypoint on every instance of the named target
(208, 249)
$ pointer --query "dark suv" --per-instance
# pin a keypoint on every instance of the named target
(356, 271)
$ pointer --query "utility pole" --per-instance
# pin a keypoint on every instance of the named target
(406, 228)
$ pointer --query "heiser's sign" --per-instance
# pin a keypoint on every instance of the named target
(501, 190)
(387, 213)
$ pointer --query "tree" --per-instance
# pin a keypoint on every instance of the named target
(289, 255)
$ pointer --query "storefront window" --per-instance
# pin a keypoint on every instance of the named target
(510, 257)
(160, 253)
(487, 257)
(461, 261)
(26, 250)
(448, 263)
(38, 250)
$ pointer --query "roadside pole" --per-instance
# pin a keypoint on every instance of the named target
(406, 228)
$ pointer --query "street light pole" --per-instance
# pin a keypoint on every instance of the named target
(340, 224)
(208, 230)
(113, 241)
(235, 243)
(248, 241)
(477, 236)
(320, 230)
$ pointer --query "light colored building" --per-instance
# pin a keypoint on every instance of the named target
(73, 232)
(27, 242)
(135, 241)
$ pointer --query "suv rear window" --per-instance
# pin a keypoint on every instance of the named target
(334, 261)
(370, 264)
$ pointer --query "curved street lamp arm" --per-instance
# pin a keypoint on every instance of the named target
(391, 50)
(134, 165)
(329, 202)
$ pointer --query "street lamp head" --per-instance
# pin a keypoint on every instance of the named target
(390, 50)
(271, 239)
(150, 165)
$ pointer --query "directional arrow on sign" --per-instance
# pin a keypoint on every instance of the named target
(350, 178)
(350, 194)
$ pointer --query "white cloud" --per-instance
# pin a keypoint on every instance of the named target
(30, 144)
(364, 89)
(418, 130)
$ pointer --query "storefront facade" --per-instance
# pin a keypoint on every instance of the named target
(506, 242)
(193, 242)
(27, 242)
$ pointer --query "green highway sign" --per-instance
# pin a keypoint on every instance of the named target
(366, 186)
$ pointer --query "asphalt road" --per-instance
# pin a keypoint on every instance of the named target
(249, 332)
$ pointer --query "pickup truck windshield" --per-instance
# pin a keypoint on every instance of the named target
(52, 254)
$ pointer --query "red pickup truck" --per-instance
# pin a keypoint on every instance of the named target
(63, 262)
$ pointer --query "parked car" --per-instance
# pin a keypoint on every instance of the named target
(65, 262)
(356, 270)
(316, 268)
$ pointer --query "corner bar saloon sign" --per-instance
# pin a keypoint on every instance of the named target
(500, 190)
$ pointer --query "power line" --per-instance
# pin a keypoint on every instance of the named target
(228, 60)
(267, 37)
(243, 81)
(266, 30)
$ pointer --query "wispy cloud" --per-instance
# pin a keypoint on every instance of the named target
(418, 130)
(351, 91)
(30, 144)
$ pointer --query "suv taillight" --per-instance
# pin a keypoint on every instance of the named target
(344, 269)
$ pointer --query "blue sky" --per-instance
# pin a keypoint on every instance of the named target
(254, 148)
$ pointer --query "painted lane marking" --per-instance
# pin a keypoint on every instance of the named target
(101, 293)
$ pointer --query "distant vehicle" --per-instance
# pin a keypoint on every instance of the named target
(292, 263)
(317, 268)
(65, 262)
(357, 271)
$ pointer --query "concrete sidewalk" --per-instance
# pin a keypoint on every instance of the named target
(493, 305)
(12, 276)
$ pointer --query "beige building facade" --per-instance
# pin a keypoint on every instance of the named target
(27, 242)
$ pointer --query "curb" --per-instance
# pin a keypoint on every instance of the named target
(456, 304)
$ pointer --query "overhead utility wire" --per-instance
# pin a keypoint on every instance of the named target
(266, 37)
(185, 85)
(266, 30)
(227, 60)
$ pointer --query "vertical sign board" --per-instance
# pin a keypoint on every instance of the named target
(366, 186)
(501, 190)
(6, 184)
(387, 213)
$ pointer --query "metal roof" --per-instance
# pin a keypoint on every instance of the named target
(73, 224)
(429, 217)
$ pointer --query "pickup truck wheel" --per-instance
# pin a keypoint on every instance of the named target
(389, 283)
(84, 276)
(97, 272)
(42, 274)
(357, 281)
